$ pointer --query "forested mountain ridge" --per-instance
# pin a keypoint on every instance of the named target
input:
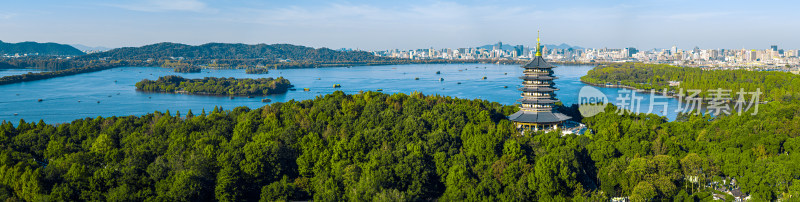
(224, 51)
(43, 49)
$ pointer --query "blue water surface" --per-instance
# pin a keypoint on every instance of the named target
(112, 92)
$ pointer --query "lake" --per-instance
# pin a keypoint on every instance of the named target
(11, 72)
(112, 92)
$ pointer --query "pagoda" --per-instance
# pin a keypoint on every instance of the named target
(538, 98)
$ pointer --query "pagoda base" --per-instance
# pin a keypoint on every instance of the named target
(526, 120)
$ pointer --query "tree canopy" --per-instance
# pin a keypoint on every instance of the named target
(374, 146)
(216, 86)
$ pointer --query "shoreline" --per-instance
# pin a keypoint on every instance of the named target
(183, 92)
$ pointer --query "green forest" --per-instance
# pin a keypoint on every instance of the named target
(216, 86)
(59, 73)
(776, 86)
(372, 146)
(188, 69)
(224, 51)
(260, 70)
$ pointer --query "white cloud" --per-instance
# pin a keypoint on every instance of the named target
(167, 5)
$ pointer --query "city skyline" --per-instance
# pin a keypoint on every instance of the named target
(405, 25)
(773, 58)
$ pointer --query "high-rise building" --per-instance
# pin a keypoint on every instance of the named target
(774, 47)
(630, 51)
(790, 53)
(518, 49)
(538, 97)
(673, 50)
(498, 46)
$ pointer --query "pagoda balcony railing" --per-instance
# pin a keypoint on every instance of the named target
(537, 109)
(537, 96)
(538, 77)
(537, 73)
(539, 85)
(537, 106)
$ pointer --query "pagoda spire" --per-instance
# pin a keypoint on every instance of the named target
(538, 46)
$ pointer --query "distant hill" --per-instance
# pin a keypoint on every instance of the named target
(89, 48)
(510, 47)
(40, 48)
(233, 51)
(562, 46)
(4, 65)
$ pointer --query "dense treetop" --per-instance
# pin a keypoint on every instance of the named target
(216, 86)
(257, 70)
(188, 69)
(40, 48)
(374, 146)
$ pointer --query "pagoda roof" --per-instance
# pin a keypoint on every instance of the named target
(538, 62)
(538, 117)
(537, 101)
(538, 77)
(538, 89)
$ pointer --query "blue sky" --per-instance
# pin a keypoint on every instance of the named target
(380, 25)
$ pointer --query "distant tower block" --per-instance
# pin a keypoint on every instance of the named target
(538, 97)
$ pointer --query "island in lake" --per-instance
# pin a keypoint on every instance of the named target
(216, 86)
(187, 69)
(256, 71)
